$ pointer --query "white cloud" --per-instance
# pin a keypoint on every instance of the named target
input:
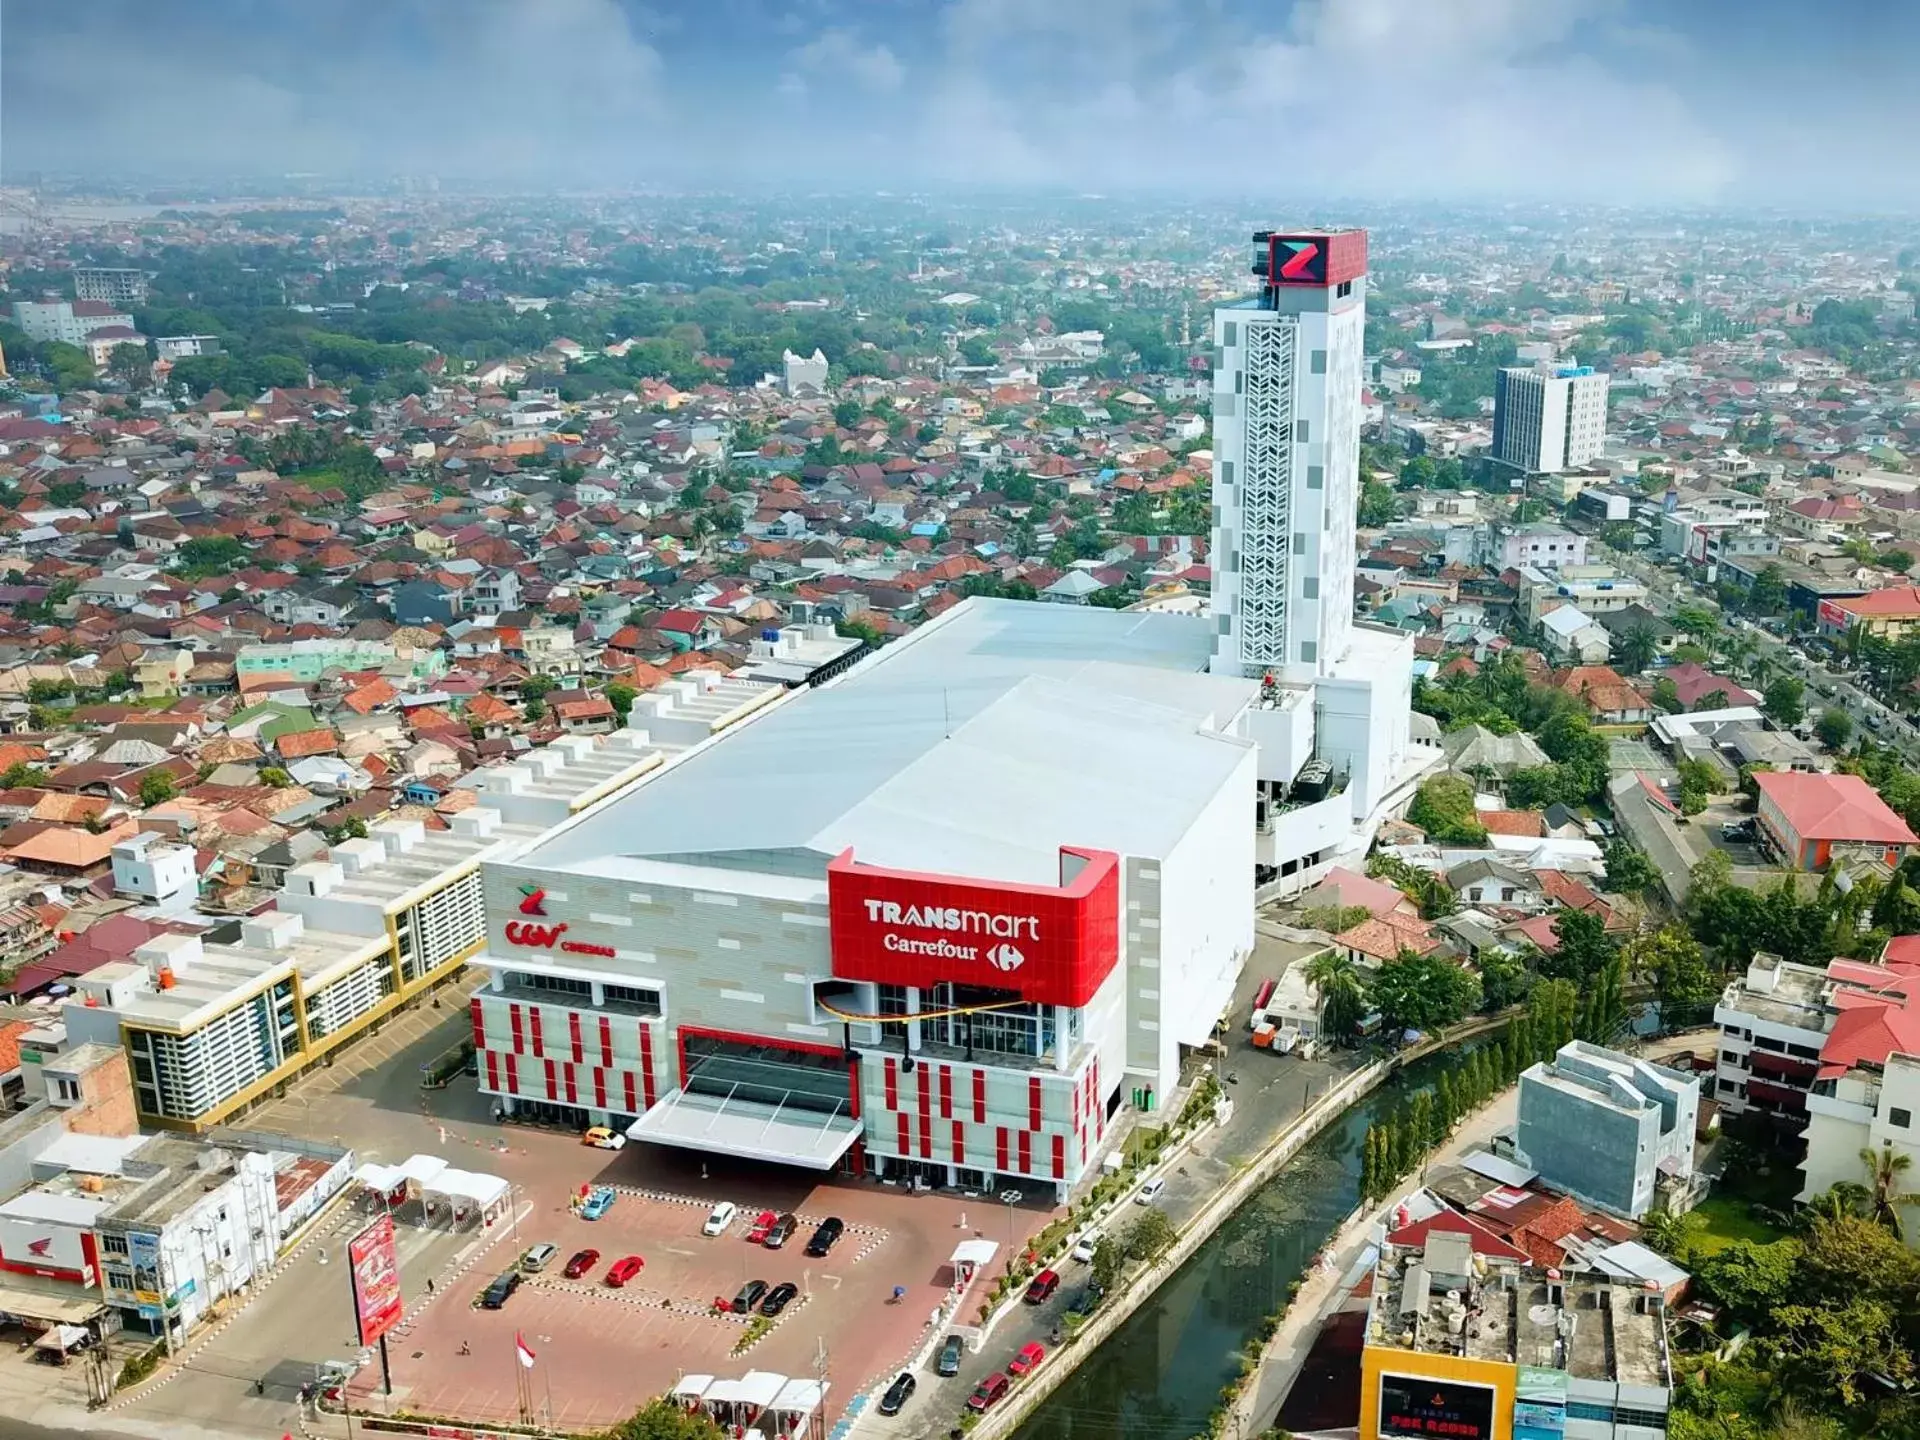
(838, 55)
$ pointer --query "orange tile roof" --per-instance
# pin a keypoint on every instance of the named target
(299, 744)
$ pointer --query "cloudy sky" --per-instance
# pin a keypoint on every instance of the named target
(1734, 101)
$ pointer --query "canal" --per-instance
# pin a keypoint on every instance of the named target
(1160, 1375)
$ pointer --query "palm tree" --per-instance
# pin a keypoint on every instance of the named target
(1343, 1000)
(1885, 1166)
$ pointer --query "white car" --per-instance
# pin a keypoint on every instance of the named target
(1084, 1247)
(719, 1218)
(1150, 1192)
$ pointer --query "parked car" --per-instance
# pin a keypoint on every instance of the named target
(1737, 830)
(501, 1290)
(762, 1227)
(781, 1232)
(826, 1236)
(948, 1365)
(601, 1138)
(779, 1298)
(1040, 1289)
(539, 1257)
(898, 1393)
(582, 1262)
(749, 1296)
(1087, 1301)
(1150, 1191)
(988, 1392)
(1084, 1247)
(719, 1218)
(1028, 1360)
(598, 1203)
(624, 1270)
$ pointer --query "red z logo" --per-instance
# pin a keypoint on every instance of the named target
(518, 932)
(533, 901)
(1297, 267)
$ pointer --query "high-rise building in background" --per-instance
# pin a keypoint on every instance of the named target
(1549, 420)
(1286, 488)
(114, 286)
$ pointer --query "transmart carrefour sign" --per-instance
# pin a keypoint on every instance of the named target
(1054, 944)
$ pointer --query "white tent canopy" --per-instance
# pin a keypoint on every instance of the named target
(464, 1192)
(976, 1253)
(420, 1169)
(384, 1178)
(799, 1398)
(692, 1387)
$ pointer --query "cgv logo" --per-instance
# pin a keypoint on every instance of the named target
(518, 932)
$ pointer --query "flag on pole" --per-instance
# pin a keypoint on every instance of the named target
(522, 1350)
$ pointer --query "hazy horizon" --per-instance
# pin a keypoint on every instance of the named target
(1471, 101)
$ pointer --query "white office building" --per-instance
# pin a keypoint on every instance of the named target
(1549, 420)
(1286, 483)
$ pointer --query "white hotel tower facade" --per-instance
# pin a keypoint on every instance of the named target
(1286, 488)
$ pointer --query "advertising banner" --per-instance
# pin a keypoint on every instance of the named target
(43, 1247)
(1540, 1404)
(1416, 1405)
(1052, 945)
(373, 1267)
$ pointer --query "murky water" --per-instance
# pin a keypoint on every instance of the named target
(1161, 1373)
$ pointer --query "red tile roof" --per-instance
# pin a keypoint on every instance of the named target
(1895, 602)
(1833, 807)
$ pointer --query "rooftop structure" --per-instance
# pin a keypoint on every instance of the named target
(1607, 1128)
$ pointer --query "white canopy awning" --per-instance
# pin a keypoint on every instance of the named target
(692, 1387)
(420, 1169)
(976, 1253)
(800, 1397)
(749, 1129)
(383, 1178)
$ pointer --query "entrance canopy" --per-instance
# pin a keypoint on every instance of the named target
(51, 1302)
(751, 1129)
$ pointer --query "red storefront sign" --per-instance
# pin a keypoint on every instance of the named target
(545, 937)
(373, 1267)
(1053, 945)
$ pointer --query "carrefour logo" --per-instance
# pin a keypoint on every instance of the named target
(1006, 957)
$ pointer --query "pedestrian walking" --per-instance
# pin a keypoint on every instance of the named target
(429, 1285)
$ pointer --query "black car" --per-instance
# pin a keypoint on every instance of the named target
(826, 1237)
(1086, 1302)
(949, 1361)
(779, 1298)
(749, 1296)
(898, 1393)
(498, 1293)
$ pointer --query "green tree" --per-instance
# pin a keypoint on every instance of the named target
(1584, 950)
(1638, 644)
(1838, 1352)
(1423, 992)
(1504, 980)
(130, 364)
(1699, 782)
(1886, 1185)
(1603, 1009)
(1148, 1234)
(1109, 1260)
(1629, 871)
(276, 777)
(664, 1420)
(1666, 695)
(1378, 506)
(1552, 1006)
(621, 696)
(22, 776)
(1752, 1279)
(156, 787)
(1443, 807)
(1834, 728)
(1343, 999)
(1785, 700)
(535, 687)
(1685, 986)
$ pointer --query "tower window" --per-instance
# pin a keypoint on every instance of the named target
(1300, 542)
(1316, 476)
(1344, 289)
(1310, 588)
(1317, 363)
(1231, 333)
(1309, 652)
(1300, 432)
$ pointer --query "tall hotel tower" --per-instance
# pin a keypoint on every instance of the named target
(1286, 490)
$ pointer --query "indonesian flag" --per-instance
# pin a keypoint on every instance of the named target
(522, 1350)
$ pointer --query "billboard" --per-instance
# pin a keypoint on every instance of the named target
(44, 1247)
(373, 1268)
(1318, 260)
(1415, 1405)
(1052, 945)
(1540, 1404)
(1832, 617)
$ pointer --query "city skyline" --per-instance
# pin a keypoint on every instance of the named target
(1588, 100)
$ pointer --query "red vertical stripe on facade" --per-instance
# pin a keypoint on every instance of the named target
(633, 1107)
(606, 1040)
(926, 1138)
(959, 1143)
(925, 1075)
(999, 1147)
(946, 1092)
(1099, 1102)
(906, 1133)
(1076, 1107)
(533, 1026)
(479, 1026)
(513, 1019)
(513, 1073)
(893, 1083)
(1033, 1102)
(573, 1093)
(1026, 1152)
(493, 1071)
(553, 1082)
(1059, 1157)
(646, 1062)
(979, 1097)
(1083, 1146)
(573, 1034)
(599, 1087)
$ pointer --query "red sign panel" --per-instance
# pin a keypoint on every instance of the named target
(1053, 945)
(374, 1269)
(1320, 260)
(1832, 617)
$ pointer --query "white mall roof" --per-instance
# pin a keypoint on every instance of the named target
(946, 752)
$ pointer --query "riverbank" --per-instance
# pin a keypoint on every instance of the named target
(1220, 1206)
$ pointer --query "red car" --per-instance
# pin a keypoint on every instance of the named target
(622, 1271)
(763, 1224)
(1042, 1288)
(581, 1263)
(1028, 1360)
